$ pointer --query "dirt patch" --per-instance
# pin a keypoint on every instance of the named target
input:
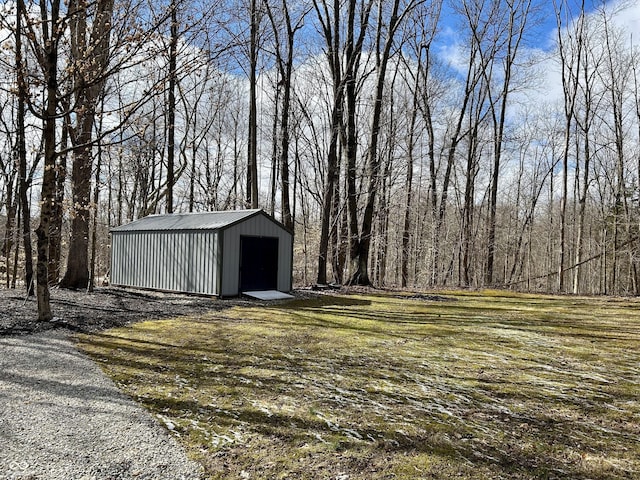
(104, 308)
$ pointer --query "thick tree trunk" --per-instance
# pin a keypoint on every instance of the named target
(352, 55)
(90, 52)
(50, 68)
(361, 250)
(77, 273)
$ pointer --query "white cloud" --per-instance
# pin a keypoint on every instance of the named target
(628, 18)
(623, 14)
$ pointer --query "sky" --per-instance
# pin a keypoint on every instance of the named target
(542, 39)
(545, 29)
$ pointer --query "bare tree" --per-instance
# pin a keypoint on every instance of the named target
(9, 193)
(361, 248)
(255, 15)
(343, 84)
(584, 117)
(23, 180)
(616, 78)
(473, 86)
(47, 53)
(570, 46)
(284, 62)
(171, 107)
(90, 31)
(421, 32)
(516, 18)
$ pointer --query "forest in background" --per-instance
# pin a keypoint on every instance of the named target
(409, 143)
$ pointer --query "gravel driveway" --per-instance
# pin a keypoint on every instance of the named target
(62, 418)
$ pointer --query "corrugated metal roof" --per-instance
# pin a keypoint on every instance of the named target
(187, 221)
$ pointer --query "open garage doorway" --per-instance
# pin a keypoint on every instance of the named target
(258, 263)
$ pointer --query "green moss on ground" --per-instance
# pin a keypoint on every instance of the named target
(465, 385)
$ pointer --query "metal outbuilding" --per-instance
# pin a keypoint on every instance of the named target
(211, 253)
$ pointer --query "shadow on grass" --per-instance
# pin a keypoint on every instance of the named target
(451, 443)
(222, 366)
(463, 437)
(454, 315)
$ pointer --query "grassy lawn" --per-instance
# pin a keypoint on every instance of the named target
(463, 385)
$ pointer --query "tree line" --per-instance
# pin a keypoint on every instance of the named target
(406, 142)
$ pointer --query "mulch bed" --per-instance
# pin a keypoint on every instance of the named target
(104, 308)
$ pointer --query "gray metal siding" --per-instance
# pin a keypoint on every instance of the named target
(259, 226)
(178, 261)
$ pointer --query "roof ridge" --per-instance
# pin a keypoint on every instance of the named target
(214, 220)
(203, 213)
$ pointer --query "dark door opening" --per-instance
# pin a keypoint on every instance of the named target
(258, 263)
